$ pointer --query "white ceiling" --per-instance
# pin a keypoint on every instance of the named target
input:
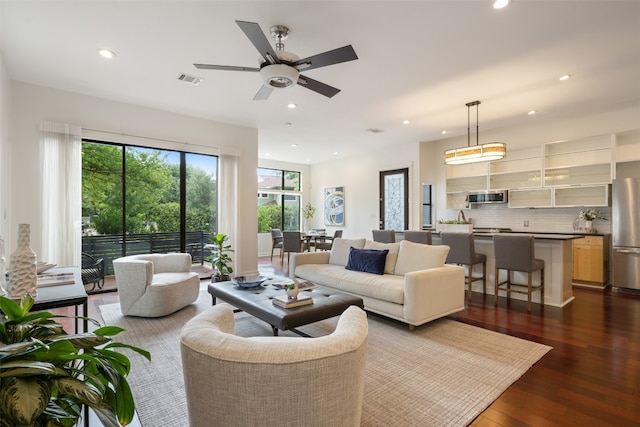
(420, 61)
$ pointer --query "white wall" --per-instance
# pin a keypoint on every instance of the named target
(34, 104)
(5, 153)
(360, 178)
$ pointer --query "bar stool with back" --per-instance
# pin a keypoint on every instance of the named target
(462, 252)
(517, 253)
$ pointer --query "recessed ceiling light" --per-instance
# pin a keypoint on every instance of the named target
(405, 122)
(307, 160)
(291, 105)
(106, 53)
(335, 153)
(294, 145)
(499, 4)
(532, 112)
(565, 77)
(444, 132)
(267, 154)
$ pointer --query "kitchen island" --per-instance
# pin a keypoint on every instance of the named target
(554, 249)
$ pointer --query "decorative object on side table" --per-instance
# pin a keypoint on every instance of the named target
(48, 375)
(220, 258)
(23, 271)
(589, 216)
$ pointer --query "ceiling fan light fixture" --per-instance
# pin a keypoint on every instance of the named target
(279, 75)
(475, 153)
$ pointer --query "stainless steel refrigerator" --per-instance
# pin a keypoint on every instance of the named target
(625, 223)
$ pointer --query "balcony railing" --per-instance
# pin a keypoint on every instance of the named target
(110, 246)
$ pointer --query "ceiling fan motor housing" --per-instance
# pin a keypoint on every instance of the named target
(280, 75)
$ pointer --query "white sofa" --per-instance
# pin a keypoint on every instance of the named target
(155, 285)
(416, 286)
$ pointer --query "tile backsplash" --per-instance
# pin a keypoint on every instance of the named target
(556, 220)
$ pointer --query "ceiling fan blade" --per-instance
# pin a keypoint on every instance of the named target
(263, 93)
(335, 56)
(259, 40)
(225, 67)
(316, 86)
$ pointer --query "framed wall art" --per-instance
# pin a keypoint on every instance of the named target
(334, 206)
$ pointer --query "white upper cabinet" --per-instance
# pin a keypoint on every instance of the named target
(585, 161)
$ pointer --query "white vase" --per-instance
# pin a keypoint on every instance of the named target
(588, 225)
(305, 226)
(293, 293)
(23, 275)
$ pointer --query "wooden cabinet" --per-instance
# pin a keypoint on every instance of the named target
(591, 261)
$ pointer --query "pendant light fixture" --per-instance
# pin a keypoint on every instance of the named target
(474, 153)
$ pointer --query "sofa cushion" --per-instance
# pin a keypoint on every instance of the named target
(417, 256)
(385, 287)
(340, 250)
(367, 260)
(392, 256)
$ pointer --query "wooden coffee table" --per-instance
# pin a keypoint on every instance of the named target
(257, 302)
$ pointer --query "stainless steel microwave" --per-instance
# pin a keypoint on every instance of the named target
(489, 197)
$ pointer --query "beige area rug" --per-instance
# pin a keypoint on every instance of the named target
(444, 373)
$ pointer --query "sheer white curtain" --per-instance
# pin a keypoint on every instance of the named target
(61, 166)
(228, 197)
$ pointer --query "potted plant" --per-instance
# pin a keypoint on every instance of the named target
(220, 258)
(47, 375)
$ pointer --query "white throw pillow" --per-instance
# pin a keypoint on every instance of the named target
(392, 256)
(340, 250)
(417, 256)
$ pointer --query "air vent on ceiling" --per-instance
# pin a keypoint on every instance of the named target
(374, 130)
(190, 79)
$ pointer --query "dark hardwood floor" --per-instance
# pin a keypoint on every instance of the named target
(590, 378)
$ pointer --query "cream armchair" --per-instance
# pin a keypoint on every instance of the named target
(155, 285)
(273, 381)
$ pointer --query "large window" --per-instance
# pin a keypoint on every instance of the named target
(144, 200)
(278, 200)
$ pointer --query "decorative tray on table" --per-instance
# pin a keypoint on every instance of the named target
(249, 281)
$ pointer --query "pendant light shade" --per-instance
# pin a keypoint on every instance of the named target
(474, 153)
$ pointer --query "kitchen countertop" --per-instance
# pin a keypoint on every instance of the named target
(537, 234)
(542, 236)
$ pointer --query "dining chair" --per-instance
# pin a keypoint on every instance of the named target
(326, 243)
(292, 242)
(384, 236)
(276, 240)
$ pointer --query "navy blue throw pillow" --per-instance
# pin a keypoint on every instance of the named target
(367, 260)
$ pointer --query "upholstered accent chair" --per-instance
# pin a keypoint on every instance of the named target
(384, 236)
(273, 381)
(155, 285)
(419, 236)
(517, 253)
(462, 252)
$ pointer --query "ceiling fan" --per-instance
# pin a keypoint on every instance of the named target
(281, 69)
